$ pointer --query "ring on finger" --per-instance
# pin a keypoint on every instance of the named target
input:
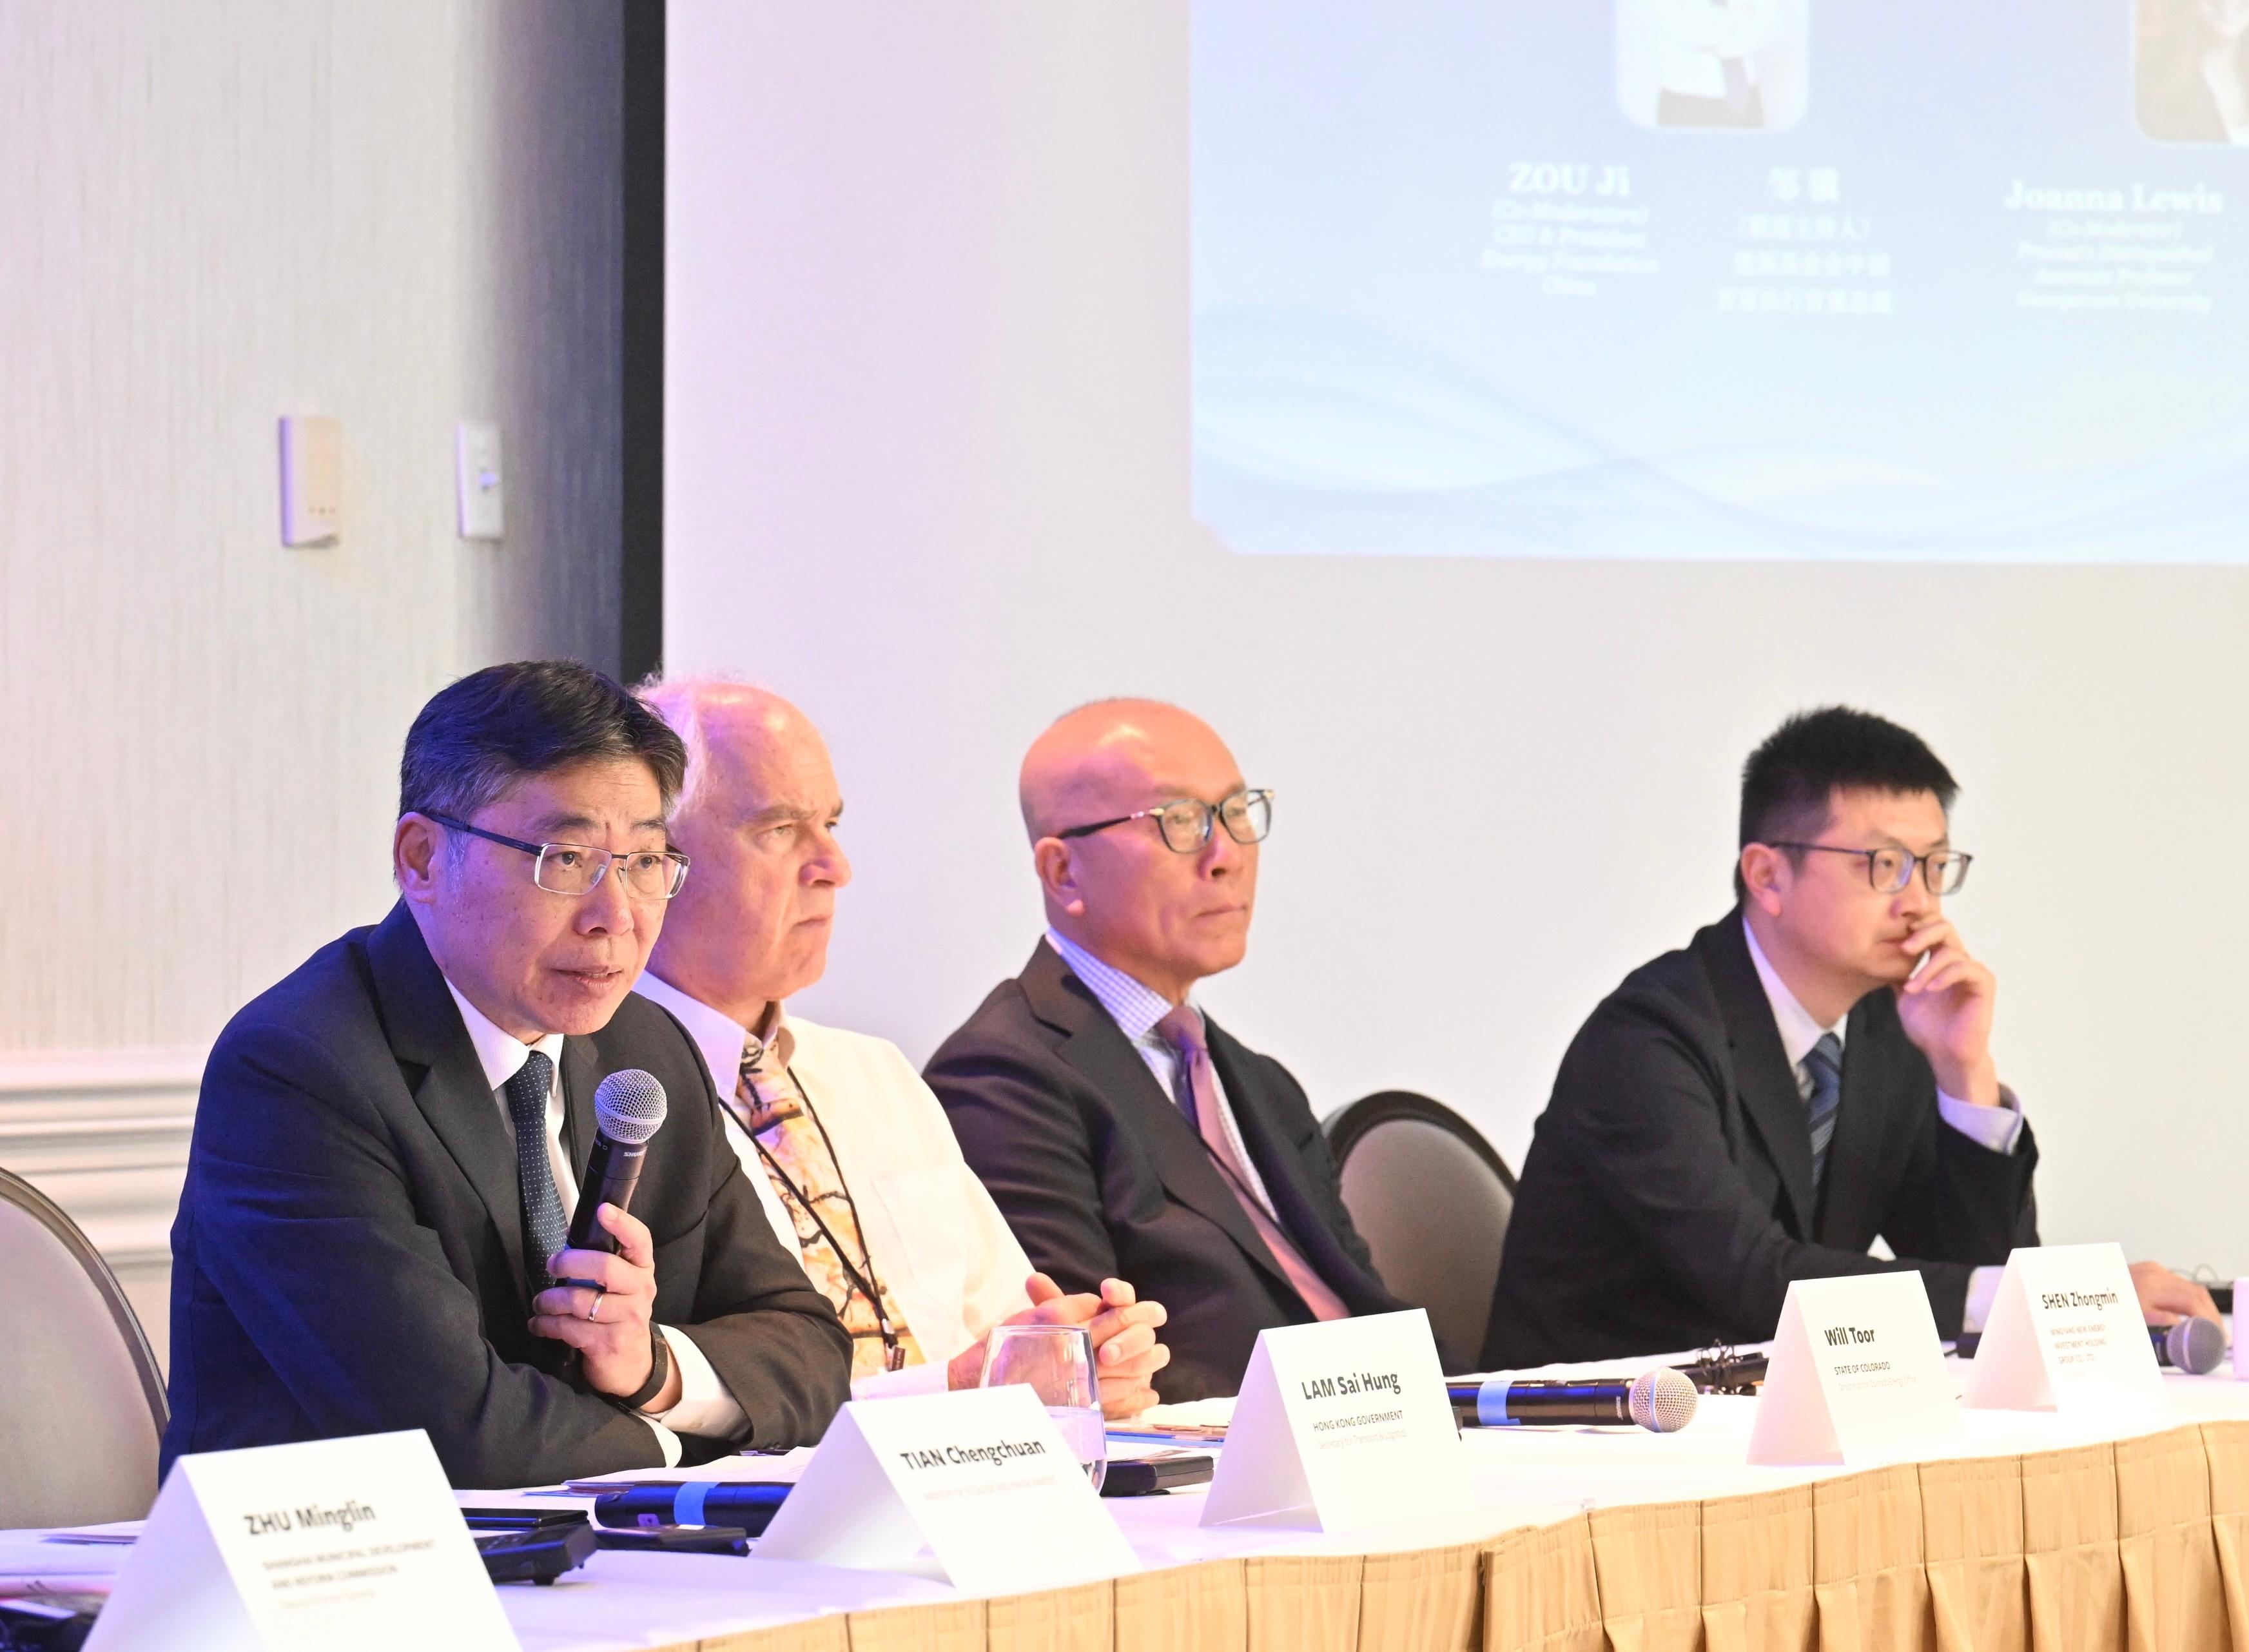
(594, 1308)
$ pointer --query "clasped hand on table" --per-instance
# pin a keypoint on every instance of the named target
(1126, 1355)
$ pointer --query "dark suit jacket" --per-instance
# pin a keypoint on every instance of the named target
(1668, 1198)
(1100, 1175)
(348, 1254)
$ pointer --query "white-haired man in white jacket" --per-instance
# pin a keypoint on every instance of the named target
(847, 1148)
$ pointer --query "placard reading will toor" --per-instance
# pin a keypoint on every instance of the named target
(1856, 1366)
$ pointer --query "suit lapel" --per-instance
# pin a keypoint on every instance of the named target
(1770, 1098)
(425, 1031)
(1282, 1172)
(1097, 1047)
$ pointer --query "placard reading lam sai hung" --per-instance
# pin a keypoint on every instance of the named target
(1342, 1426)
(1856, 1366)
(328, 1546)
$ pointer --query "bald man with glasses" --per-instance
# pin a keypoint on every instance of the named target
(1120, 1130)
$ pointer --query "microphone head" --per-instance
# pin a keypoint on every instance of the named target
(629, 1106)
(1663, 1401)
(2196, 1346)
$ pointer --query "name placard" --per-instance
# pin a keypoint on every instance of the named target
(1856, 1366)
(2066, 1334)
(981, 1478)
(1341, 1426)
(330, 1545)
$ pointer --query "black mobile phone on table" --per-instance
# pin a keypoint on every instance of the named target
(675, 1539)
(1158, 1471)
(521, 1519)
(57, 1622)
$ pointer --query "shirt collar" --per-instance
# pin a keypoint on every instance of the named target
(1798, 1031)
(501, 1055)
(1133, 1005)
(719, 1037)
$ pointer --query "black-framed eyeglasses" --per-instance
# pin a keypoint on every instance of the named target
(1890, 870)
(1185, 822)
(578, 869)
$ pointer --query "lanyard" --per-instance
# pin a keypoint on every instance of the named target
(859, 1276)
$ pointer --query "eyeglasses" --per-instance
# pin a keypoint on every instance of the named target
(578, 869)
(1186, 823)
(1891, 869)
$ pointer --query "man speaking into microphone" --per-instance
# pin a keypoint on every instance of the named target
(388, 1145)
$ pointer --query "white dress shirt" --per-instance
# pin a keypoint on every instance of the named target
(932, 1232)
(706, 1405)
(1135, 1007)
(1996, 1128)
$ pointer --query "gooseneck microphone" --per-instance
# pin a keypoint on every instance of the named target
(2196, 1346)
(628, 1110)
(1661, 1401)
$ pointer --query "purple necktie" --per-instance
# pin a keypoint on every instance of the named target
(1182, 1029)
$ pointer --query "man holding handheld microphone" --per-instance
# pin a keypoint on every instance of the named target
(389, 1144)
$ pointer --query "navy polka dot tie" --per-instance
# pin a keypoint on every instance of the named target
(543, 1227)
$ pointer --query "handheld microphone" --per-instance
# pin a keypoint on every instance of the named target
(749, 1505)
(629, 1109)
(2196, 1346)
(1661, 1401)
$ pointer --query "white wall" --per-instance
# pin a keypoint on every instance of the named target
(400, 214)
(927, 445)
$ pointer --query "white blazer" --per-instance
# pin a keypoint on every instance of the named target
(934, 1233)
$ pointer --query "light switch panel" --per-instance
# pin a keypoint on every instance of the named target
(312, 481)
(478, 482)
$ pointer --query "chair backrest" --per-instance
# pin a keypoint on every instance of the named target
(81, 1399)
(1432, 1200)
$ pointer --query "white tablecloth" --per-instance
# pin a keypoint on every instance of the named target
(1523, 1478)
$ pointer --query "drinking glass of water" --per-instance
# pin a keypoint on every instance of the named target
(1058, 1362)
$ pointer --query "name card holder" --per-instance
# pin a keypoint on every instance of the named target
(981, 1478)
(329, 1545)
(1342, 1426)
(2066, 1334)
(1856, 1367)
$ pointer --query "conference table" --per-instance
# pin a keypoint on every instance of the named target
(2019, 1530)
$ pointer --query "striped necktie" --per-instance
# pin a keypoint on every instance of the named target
(1823, 1064)
(1198, 1099)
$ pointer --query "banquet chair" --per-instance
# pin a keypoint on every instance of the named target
(1432, 1200)
(81, 1399)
